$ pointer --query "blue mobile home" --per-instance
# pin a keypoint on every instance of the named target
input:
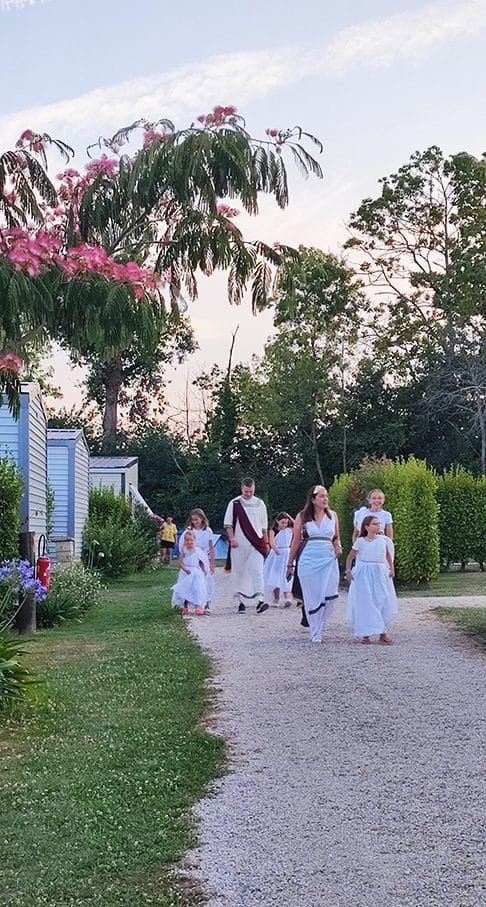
(68, 474)
(25, 441)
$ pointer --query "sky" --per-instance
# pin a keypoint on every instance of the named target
(374, 80)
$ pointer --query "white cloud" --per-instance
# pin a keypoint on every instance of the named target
(17, 4)
(242, 77)
(406, 35)
(186, 91)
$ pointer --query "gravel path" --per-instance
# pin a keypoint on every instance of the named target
(357, 773)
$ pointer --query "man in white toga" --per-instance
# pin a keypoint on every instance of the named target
(246, 524)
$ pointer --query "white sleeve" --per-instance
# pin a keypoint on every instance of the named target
(388, 517)
(357, 544)
(390, 546)
(228, 517)
(358, 519)
(264, 517)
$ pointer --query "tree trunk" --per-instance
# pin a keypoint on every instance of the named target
(316, 451)
(112, 380)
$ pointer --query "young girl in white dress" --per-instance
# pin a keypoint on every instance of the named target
(376, 500)
(198, 523)
(277, 588)
(372, 601)
(190, 589)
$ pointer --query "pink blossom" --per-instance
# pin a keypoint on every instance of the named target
(26, 136)
(226, 211)
(272, 132)
(9, 362)
(201, 118)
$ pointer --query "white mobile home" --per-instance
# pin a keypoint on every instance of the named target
(25, 441)
(68, 473)
(114, 472)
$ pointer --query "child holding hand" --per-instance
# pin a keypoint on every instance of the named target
(189, 591)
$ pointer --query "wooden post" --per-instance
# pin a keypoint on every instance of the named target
(26, 621)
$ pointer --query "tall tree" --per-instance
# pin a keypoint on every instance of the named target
(422, 245)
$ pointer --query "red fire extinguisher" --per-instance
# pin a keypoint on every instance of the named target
(43, 566)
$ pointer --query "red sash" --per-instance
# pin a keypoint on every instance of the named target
(240, 515)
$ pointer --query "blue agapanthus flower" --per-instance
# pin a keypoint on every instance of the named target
(20, 576)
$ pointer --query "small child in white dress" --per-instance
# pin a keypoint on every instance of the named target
(189, 591)
(372, 601)
(277, 588)
(376, 500)
(198, 522)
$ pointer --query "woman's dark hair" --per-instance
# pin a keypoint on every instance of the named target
(308, 513)
(282, 516)
(364, 525)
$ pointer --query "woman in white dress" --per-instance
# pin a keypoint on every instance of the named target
(198, 523)
(189, 591)
(372, 601)
(315, 548)
(277, 586)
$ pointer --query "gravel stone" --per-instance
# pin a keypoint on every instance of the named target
(357, 773)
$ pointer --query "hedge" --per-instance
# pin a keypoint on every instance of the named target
(410, 494)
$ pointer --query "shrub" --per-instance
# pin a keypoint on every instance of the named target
(460, 502)
(17, 682)
(74, 589)
(478, 548)
(410, 492)
(11, 488)
(115, 541)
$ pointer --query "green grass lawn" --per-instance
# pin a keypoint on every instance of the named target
(96, 788)
(471, 620)
(454, 582)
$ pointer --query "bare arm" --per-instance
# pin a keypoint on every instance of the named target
(271, 542)
(349, 563)
(389, 530)
(296, 540)
(389, 558)
(211, 556)
(336, 542)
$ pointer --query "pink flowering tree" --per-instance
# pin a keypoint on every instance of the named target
(124, 239)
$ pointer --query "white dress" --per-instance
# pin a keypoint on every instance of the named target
(190, 587)
(372, 601)
(275, 568)
(318, 572)
(384, 516)
(203, 539)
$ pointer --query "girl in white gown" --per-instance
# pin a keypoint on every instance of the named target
(198, 522)
(316, 546)
(277, 588)
(189, 591)
(372, 601)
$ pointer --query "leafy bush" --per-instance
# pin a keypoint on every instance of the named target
(74, 589)
(410, 491)
(11, 488)
(459, 522)
(115, 541)
(17, 682)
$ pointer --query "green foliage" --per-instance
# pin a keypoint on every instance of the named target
(115, 541)
(11, 488)
(341, 499)
(74, 590)
(410, 491)
(457, 498)
(17, 682)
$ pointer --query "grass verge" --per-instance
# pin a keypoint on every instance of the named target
(452, 583)
(471, 620)
(96, 788)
